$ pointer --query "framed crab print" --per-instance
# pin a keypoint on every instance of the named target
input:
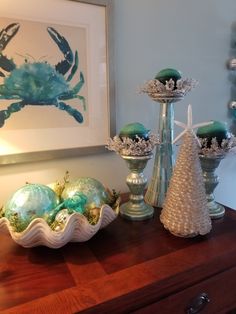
(56, 82)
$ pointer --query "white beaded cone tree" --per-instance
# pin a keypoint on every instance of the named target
(185, 212)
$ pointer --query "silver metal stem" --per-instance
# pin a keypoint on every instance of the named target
(211, 180)
(136, 208)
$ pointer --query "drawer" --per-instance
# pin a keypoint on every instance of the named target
(220, 289)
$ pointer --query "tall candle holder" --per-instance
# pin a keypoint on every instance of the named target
(166, 94)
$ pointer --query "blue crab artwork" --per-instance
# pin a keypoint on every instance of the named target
(39, 83)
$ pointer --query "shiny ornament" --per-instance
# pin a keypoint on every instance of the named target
(59, 186)
(74, 204)
(29, 202)
(60, 220)
(92, 189)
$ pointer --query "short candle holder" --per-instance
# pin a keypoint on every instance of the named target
(211, 180)
(136, 208)
(215, 142)
(135, 145)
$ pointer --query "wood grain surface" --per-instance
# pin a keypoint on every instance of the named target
(123, 268)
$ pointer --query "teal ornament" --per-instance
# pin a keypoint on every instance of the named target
(29, 202)
(166, 74)
(217, 129)
(132, 130)
(94, 191)
(74, 204)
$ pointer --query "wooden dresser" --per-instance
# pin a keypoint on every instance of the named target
(129, 267)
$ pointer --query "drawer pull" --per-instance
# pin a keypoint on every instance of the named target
(198, 304)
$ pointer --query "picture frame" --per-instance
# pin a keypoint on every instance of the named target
(66, 142)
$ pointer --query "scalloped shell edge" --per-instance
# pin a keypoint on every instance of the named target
(77, 229)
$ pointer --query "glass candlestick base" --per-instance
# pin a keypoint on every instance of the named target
(136, 208)
(164, 157)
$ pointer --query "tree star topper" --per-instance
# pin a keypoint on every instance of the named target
(189, 126)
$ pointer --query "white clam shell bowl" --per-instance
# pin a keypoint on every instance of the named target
(76, 229)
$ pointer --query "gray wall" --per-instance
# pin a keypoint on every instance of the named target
(149, 35)
(192, 36)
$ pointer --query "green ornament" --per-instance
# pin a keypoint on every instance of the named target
(132, 130)
(217, 129)
(167, 74)
(29, 202)
(92, 190)
(74, 204)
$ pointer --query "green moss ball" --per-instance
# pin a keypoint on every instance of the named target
(167, 74)
(217, 129)
(132, 130)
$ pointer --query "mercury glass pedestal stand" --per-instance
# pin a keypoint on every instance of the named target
(211, 180)
(164, 157)
(136, 208)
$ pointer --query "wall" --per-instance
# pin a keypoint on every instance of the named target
(192, 36)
